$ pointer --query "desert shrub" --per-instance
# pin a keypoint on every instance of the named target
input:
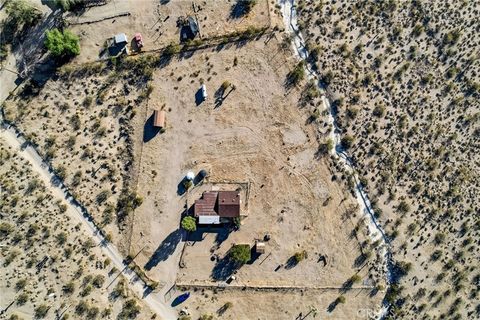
(171, 49)
(347, 141)
(102, 196)
(81, 308)
(61, 238)
(20, 284)
(240, 253)
(340, 299)
(21, 13)
(5, 229)
(98, 280)
(62, 44)
(439, 238)
(300, 256)
(22, 299)
(297, 74)
(403, 207)
(69, 288)
(41, 311)
(379, 111)
(130, 310)
(225, 85)
(189, 224)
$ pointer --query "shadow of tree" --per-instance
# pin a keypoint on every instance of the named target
(224, 269)
(291, 262)
(332, 305)
(165, 249)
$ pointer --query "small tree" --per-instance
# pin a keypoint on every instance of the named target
(62, 44)
(189, 224)
(240, 253)
(41, 311)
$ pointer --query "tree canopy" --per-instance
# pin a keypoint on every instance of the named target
(21, 12)
(189, 224)
(240, 253)
(62, 44)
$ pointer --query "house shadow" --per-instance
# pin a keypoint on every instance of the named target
(165, 249)
(222, 233)
(199, 97)
(149, 131)
(224, 269)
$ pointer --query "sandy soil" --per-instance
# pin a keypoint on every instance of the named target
(406, 89)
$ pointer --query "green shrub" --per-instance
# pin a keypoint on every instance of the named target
(189, 224)
(41, 311)
(300, 256)
(62, 44)
(297, 74)
(240, 253)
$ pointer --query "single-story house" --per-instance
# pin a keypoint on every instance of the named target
(215, 206)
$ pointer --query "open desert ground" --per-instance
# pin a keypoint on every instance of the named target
(403, 78)
(356, 161)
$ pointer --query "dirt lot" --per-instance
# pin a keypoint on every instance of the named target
(257, 134)
(157, 22)
(238, 304)
(49, 262)
(404, 78)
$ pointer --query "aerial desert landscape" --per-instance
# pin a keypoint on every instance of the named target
(239, 159)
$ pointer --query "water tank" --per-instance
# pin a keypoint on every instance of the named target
(190, 175)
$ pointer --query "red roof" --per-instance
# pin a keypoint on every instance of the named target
(229, 204)
(221, 203)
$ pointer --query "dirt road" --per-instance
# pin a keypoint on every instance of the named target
(154, 300)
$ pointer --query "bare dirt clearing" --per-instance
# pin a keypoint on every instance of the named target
(255, 134)
(157, 22)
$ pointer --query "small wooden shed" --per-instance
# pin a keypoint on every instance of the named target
(159, 119)
(260, 247)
